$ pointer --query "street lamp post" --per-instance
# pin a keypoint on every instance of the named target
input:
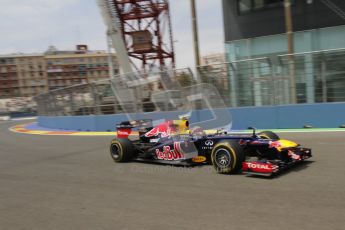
(195, 33)
(289, 32)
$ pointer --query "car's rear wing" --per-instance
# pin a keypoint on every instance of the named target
(135, 124)
(124, 129)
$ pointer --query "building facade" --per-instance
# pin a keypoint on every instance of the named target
(256, 28)
(81, 66)
(9, 83)
(27, 75)
(255, 31)
(214, 58)
(32, 75)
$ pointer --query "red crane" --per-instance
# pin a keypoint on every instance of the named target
(147, 33)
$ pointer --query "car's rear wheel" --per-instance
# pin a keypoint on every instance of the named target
(268, 135)
(227, 157)
(121, 150)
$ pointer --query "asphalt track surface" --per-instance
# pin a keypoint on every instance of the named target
(70, 182)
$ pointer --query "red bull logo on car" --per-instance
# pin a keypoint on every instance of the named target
(274, 144)
(163, 129)
(170, 154)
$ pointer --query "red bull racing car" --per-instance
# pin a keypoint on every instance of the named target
(174, 143)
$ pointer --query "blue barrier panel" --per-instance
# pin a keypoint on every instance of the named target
(258, 117)
(323, 115)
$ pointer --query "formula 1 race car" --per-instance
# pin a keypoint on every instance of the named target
(174, 143)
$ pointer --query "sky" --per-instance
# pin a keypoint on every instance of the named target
(30, 26)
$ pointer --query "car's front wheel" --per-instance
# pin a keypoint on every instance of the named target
(268, 135)
(227, 157)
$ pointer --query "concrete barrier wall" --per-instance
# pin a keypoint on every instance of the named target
(323, 115)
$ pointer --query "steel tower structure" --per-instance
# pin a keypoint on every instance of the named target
(145, 27)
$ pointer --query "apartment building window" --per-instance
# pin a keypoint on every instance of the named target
(247, 6)
(258, 4)
(244, 6)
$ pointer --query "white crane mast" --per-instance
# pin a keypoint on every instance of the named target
(114, 35)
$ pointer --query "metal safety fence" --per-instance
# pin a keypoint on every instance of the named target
(286, 79)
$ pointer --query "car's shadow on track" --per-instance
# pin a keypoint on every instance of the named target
(295, 168)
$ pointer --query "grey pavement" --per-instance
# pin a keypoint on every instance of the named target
(65, 182)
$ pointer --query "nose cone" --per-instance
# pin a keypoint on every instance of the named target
(283, 144)
(287, 144)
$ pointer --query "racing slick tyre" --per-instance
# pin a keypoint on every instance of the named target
(121, 150)
(227, 157)
(268, 135)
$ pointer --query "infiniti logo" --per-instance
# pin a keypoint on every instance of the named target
(209, 143)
